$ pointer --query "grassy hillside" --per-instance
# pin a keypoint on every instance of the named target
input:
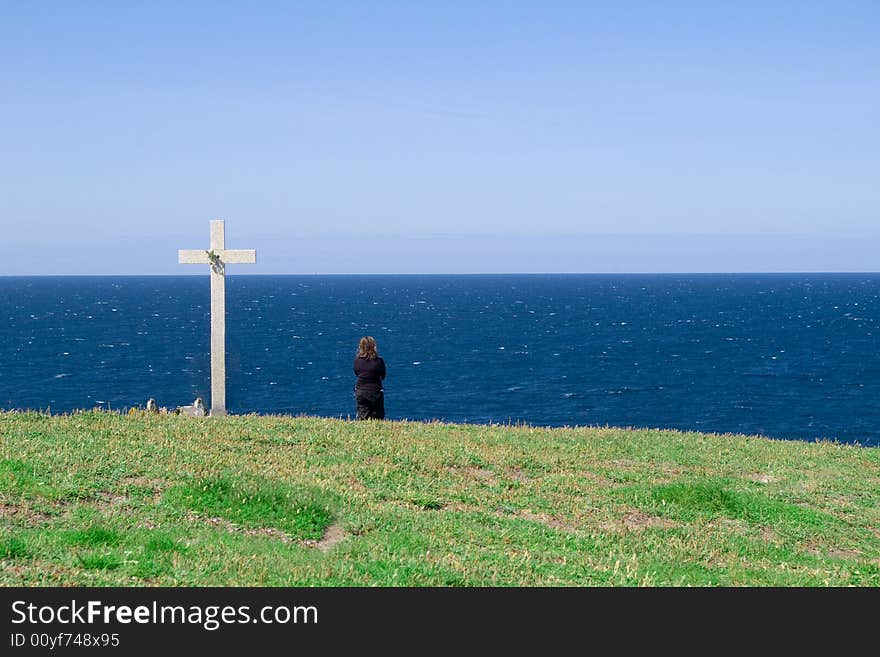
(99, 498)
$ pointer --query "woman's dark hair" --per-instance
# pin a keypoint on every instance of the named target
(367, 348)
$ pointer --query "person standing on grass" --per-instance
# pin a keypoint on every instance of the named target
(369, 395)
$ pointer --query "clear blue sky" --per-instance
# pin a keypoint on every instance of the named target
(404, 137)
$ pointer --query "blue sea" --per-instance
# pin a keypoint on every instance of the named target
(794, 356)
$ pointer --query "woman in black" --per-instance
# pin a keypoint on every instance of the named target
(368, 392)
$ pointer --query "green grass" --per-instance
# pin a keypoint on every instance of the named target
(13, 548)
(97, 561)
(93, 536)
(254, 504)
(710, 499)
(102, 499)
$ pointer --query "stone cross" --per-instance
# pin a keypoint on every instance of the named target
(218, 257)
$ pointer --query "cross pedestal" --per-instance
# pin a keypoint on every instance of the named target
(218, 257)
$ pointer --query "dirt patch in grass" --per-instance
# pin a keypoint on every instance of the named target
(474, 472)
(111, 498)
(153, 484)
(23, 514)
(602, 480)
(158, 486)
(770, 536)
(216, 522)
(516, 474)
(735, 526)
(356, 485)
(669, 472)
(546, 520)
(232, 528)
(462, 506)
(118, 498)
(637, 521)
(832, 552)
(335, 534)
(270, 532)
(837, 499)
(762, 478)
(835, 553)
(42, 572)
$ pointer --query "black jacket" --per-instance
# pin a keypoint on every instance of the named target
(370, 373)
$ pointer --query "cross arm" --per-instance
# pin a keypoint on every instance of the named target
(238, 256)
(192, 257)
(227, 256)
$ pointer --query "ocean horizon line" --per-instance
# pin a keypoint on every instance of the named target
(474, 274)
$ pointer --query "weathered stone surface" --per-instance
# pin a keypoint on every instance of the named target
(196, 409)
